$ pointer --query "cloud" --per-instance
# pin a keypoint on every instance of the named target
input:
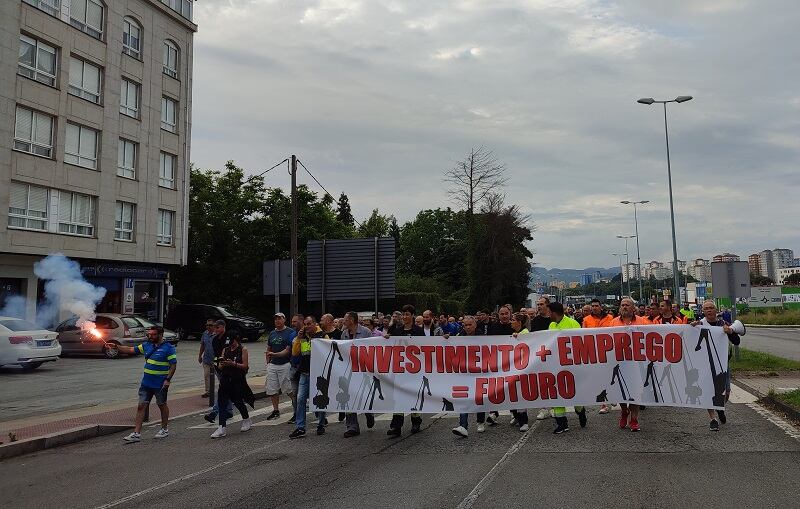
(379, 97)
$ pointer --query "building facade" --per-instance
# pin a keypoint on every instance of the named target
(785, 272)
(754, 264)
(630, 271)
(95, 127)
(726, 257)
(700, 269)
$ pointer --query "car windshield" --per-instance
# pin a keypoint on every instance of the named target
(133, 322)
(226, 312)
(18, 325)
(145, 322)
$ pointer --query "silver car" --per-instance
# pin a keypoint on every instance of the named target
(110, 328)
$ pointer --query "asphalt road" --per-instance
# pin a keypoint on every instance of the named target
(675, 461)
(86, 382)
(780, 342)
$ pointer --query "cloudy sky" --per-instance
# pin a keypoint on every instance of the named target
(379, 97)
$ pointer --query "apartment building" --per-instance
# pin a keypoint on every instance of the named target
(95, 125)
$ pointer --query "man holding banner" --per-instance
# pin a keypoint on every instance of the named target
(562, 322)
(627, 316)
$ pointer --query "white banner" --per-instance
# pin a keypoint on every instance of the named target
(659, 365)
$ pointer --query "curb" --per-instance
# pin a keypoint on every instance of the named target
(60, 438)
(762, 326)
(79, 434)
(790, 412)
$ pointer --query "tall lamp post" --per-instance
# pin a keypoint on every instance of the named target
(627, 260)
(638, 253)
(679, 99)
(621, 290)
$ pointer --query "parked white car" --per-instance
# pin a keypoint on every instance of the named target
(25, 344)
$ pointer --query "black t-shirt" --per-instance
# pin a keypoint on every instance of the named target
(218, 343)
(482, 329)
(415, 330)
(539, 322)
(334, 334)
(500, 329)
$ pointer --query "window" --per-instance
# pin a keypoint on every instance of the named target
(80, 146)
(123, 221)
(75, 214)
(33, 132)
(87, 16)
(126, 159)
(129, 99)
(27, 207)
(182, 7)
(166, 172)
(37, 60)
(166, 218)
(51, 7)
(169, 113)
(131, 37)
(84, 80)
(170, 59)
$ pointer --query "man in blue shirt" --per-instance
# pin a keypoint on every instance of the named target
(206, 355)
(278, 353)
(159, 368)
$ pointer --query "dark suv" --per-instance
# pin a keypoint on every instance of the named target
(190, 320)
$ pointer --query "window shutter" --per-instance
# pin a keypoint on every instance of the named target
(91, 78)
(88, 143)
(19, 196)
(24, 124)
(72, 141)
(132, 96)
(38, 200)
(44, 129)
(130, 155)
(83, 209)
(77, 10)
(64, 206)
(94, 15)
(75, 72)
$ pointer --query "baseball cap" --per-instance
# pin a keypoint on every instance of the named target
(281, 315)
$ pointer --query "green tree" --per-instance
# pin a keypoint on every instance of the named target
(793, 279)
(343, 212)
(377, 225)
(759, 280)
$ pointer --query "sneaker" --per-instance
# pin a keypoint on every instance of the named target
(351, 433)
(623, 419)
(562, 425)
(603, 409)
(246, 425)
(320, 430)
(221, 432)
(634, 425)
(582, 417)
(721, 415)
(542, 415)
(552, 413)
(210, 417)
(341, 416)
(162, 433)
(490, 420)
(524, 427)
(714, 425)
(481, 428)
(274, 415)
(291, 420)
(461, 431)
(513, 421)
(370, 421)
(133, 437)
(297, 433)
(416, 422)
(393, 432)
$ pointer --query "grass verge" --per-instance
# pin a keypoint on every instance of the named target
(758, 361)
(772, 317)
(791, 398)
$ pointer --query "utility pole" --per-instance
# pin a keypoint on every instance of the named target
(295, 213)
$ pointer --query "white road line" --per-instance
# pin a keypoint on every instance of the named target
(776, 420)
(484, 483)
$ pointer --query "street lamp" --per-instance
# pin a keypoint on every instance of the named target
(649, 101)
(627, 261)
(638, 253)
(621, 290)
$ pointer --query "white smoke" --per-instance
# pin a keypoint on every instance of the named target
(14, 306)
(66, 290)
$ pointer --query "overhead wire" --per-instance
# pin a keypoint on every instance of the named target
(323, 187)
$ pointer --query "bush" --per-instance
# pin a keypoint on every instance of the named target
(451, 307)
(777, 316)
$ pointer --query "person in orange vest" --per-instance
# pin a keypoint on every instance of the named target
(597, 318)
(667, 315)
(627, 316)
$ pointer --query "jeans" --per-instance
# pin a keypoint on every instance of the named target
(229, 404)
(225, 400)
(463, 419)
(303, 386)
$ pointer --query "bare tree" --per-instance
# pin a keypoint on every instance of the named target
(474, 179)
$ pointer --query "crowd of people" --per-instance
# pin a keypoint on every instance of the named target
(288, 360)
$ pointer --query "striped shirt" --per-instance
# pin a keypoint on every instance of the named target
(156, 366)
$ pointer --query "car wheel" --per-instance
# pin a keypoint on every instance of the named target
(180, 333)
(31, 366)
(111, 353)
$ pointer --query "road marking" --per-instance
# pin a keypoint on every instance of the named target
(484, 483)
(740, 395)
(188, 476)
(255, 413)
(776, 420)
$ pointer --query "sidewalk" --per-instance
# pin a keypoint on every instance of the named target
(122, 415)
(760, 385)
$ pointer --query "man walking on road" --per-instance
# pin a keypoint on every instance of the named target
(159, 368)
(301, 351)
(206, 355)
(627, 316)
(598, 318)
(667, 314)
(563, 322)
(352, 330)
(218, 344)
(407, 329)
(470, 325)
(279, 348)
(538, 323)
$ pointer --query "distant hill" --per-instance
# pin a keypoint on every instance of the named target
(569, 275)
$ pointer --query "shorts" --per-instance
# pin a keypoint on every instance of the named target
(147, 393)
(278, 379)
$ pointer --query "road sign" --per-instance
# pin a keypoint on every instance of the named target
(278, 277)
(730, 279)
(765, 297)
